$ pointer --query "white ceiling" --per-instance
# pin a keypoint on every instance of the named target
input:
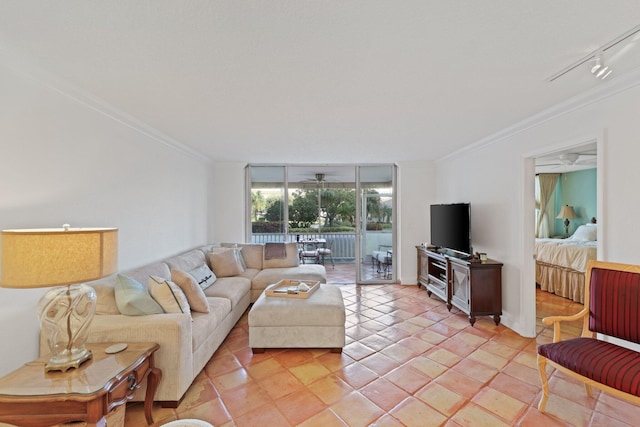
(333, 81)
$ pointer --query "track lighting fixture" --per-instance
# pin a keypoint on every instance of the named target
(599, 69)
(596, 57)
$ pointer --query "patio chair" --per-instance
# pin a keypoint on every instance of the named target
(306, 254)
(326, 251)
(381, 259)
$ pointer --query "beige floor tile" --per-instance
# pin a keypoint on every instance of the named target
(500, 404)
(414, 412)
(472, 415)
(384, 393)
(356, 410)
(310, 372)
(441, 398)
(330, 389)
(407, 378)
(326, 418)
(476, 370)
(429, 367)
(301, 406)
(281, 384)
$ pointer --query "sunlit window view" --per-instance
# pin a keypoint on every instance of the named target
(320, 211)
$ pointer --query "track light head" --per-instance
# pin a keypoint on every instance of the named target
(600, 70)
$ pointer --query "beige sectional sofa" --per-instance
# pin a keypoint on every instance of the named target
(187, 341)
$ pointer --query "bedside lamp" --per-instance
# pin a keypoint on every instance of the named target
(63, 259)
(567, 213)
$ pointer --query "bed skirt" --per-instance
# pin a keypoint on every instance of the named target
(561, 281)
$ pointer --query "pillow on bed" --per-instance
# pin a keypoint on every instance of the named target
(586, 233)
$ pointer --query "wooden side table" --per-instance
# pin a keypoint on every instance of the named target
(31, 397)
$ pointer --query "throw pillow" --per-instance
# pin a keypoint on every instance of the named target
(225, 263)
(585, 234)
(192, 290)
(237, 252)
(204, 276)
(168, 295)
(290, 260)
(133, 299)
(106, 298)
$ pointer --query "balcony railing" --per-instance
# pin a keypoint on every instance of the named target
(343, 245)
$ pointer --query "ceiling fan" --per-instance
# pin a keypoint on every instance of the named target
(319, 179)
(569, 159)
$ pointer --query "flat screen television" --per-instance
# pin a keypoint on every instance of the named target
(451, 227)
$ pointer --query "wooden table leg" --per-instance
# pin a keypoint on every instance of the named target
(153, 379)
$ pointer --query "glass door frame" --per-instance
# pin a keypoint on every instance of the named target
(361, 231)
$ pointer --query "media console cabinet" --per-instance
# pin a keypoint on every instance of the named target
(473, 286)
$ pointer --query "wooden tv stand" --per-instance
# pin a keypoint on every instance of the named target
(472, 286)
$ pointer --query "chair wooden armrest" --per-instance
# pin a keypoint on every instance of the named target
(557, 320)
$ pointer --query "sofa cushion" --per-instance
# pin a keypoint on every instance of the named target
(232, 288)
(204, 324)
(168, 295)
(250, 273)
(225, 263)
(252, 253)
(106, 297)
(203, 275)
(307, 272)
(133, 299)
(290, 260)
(192, 290)
(141, 275)
(187, 261)
(603, 362)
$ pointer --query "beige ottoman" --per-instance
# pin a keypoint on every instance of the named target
(314, 322)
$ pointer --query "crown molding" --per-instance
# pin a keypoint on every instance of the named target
(596, 94)
(23, 68)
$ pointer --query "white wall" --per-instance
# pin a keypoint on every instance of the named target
(228, 195)
(65, 162)
(494, 178)
(416, 191)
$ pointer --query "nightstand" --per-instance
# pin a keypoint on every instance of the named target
(31, 397)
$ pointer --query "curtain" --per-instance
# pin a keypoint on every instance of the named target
(547, 184)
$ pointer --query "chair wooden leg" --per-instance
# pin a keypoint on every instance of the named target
(542, 364)
(587, 388)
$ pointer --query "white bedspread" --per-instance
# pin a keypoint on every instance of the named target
(566, 253)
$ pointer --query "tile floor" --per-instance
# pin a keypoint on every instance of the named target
(407, 362)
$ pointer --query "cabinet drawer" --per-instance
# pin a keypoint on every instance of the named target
(123, 390)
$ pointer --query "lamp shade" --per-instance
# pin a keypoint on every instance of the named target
(52, 257)
(567, 212)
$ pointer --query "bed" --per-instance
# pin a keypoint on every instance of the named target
(561, 263)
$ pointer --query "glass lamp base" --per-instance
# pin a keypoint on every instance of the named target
(65, 315)
(62, 363)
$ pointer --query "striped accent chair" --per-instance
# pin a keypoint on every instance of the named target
(612, 308)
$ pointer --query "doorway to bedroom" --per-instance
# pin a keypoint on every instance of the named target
(566, 216)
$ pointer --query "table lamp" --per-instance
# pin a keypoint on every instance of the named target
(63, 259)
(567, 213)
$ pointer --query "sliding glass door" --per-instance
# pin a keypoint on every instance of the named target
(347, 209)
(376, 225)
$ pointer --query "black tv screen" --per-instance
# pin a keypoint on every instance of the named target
(451, 227)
